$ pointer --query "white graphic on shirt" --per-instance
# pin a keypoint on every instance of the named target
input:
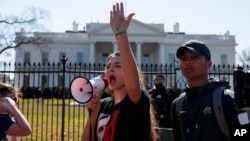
(103, 120)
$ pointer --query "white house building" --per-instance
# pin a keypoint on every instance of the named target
(150, 43)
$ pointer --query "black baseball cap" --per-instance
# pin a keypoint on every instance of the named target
(197, 47)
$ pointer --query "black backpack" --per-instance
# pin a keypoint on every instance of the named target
(217, 105)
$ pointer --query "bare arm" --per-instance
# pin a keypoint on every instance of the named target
(21, 126)
(119, 25)
(12, 138)
(94, 106)
(86, 133)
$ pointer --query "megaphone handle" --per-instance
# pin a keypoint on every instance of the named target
(90, 127)
(89, 111)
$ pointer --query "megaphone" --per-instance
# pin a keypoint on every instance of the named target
(83, 89)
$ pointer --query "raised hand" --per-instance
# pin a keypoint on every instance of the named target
(5, 104)
(118, 22)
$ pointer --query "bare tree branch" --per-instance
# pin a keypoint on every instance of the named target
(29, 22)
(244, 56)
(16, 21)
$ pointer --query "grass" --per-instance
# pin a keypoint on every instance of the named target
(47, 119)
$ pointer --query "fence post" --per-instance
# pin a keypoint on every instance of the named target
(175, 72)
(64, 60)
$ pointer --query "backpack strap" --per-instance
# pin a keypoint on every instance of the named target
(178, 109)
(218, 110)
(179, 104)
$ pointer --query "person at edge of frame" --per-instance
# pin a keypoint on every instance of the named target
(13, 122)
(197, 120)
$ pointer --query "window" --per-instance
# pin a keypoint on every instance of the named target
(60, 81)
(171, 59)
(26, 57)
(44, 80)
(45, 57)
(61, 55)
(79, 57)
(145, 59)
(26, 81)
(224, 59)
(104, 57)
(1, 64)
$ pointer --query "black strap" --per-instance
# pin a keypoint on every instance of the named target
(179, 104)
(218, 110)
(178, 108)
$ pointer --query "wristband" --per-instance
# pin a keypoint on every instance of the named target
(119, 33)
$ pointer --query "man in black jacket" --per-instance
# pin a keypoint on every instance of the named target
(197, 120)
(162, 100)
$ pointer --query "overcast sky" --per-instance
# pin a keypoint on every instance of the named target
(194, 16)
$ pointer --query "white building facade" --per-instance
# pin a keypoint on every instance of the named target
(150, 43)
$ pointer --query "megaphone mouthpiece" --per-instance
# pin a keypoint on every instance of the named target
(106, 83)
(98, 84)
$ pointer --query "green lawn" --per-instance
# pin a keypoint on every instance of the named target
(46, 119)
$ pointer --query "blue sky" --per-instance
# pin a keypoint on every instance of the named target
(194, 16)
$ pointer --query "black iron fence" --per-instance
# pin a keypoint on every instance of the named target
(47, 102)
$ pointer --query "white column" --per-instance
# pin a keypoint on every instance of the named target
(92, 53)
(138, 53)
(115, 47)
(162, 54)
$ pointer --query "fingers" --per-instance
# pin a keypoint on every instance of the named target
(92, 104)
(117, 7)
(118, 21)
(122, 10)
(130, 17)
(117, 10)
(7, 101)
(5, 104)
(100, 94)
(10, 101)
